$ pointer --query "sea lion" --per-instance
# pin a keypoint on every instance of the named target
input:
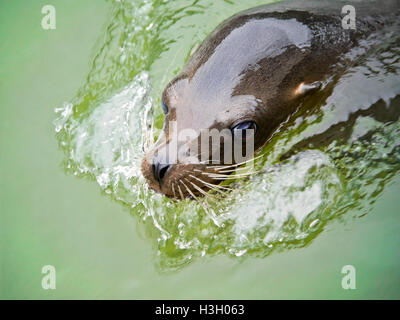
(247, 77)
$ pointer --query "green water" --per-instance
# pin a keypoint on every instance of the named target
(72, 195)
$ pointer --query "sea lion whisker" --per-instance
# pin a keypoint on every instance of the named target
(173, 189)
(223, 179)
(180, 192)
(217, 175)
(192, 194)
(202, 204)
(229, 177)
(199, 189)
(211, 174)
(211, 185)
(206, 194)
(215, 188)
(236, 164)
(212, 215)
(188, 190)
(233, 170)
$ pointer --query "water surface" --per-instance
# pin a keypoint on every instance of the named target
(325, 197)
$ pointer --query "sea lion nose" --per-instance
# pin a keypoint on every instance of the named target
(159, 170)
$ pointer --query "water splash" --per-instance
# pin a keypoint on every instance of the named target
(334, 156)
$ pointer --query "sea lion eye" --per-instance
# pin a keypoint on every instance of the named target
(241, 129)
(164, 107)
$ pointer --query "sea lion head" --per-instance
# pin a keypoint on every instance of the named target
(240, 84)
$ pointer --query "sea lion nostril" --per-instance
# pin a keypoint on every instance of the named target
(159, 170)
(163, 170)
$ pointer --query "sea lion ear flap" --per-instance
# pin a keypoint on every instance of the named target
(306, 88)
